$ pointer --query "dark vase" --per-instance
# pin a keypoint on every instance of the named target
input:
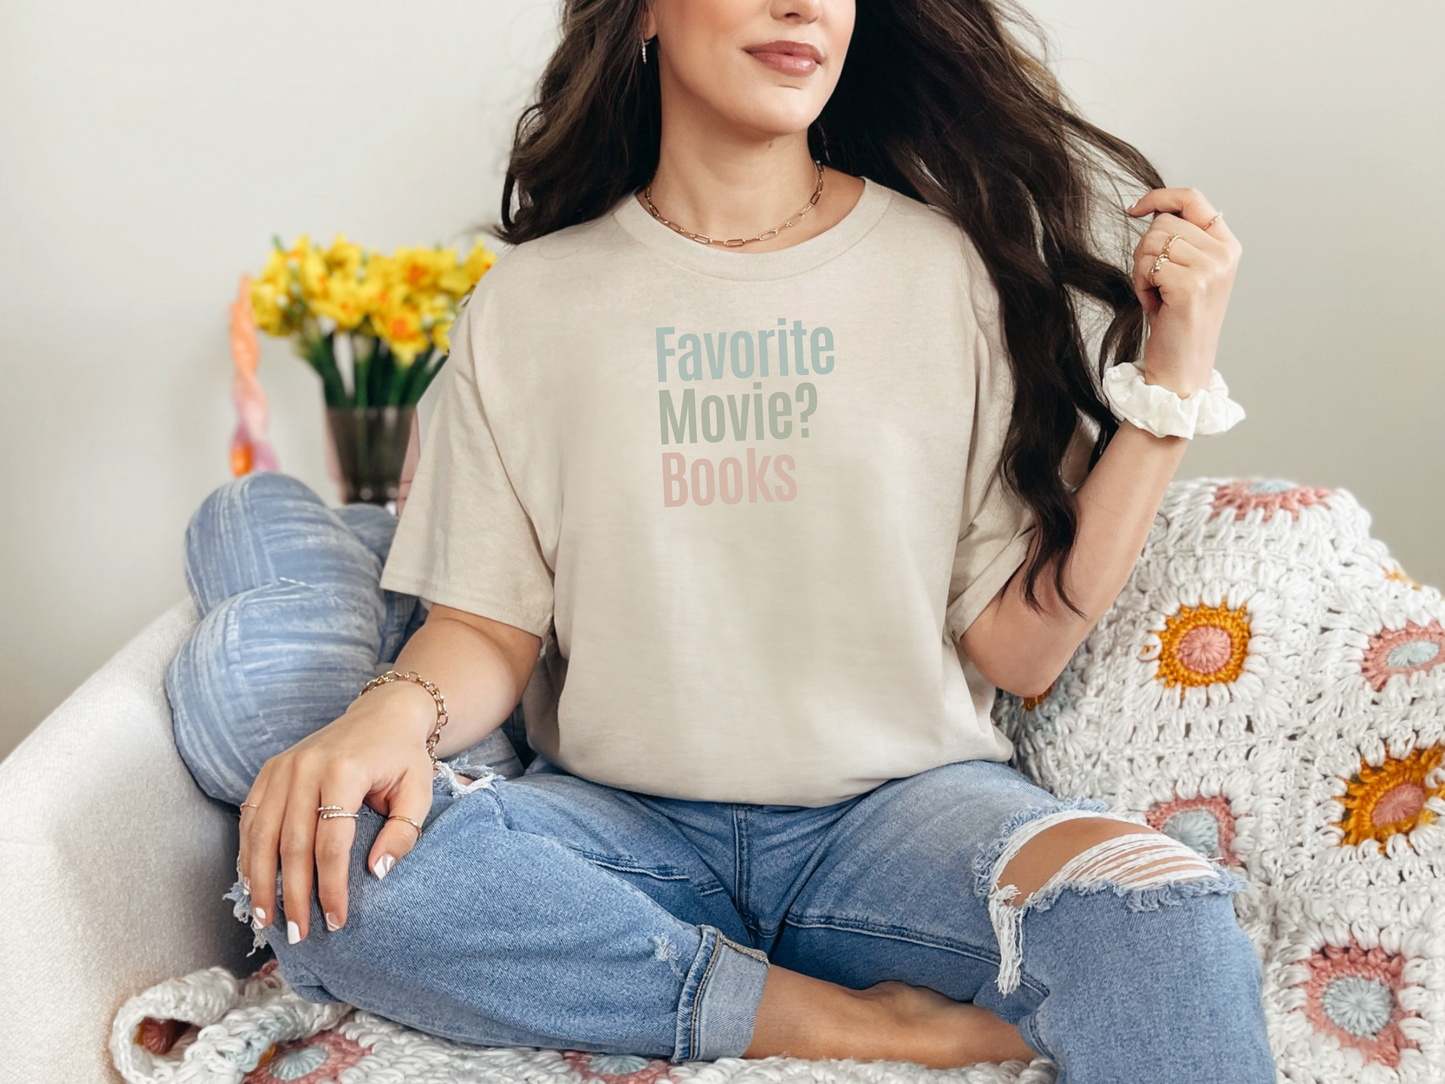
(370, 447)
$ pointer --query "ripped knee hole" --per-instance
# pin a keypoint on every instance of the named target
(1131, 855)
(1138, 860)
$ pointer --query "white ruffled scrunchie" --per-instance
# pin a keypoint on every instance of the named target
(1162, 412)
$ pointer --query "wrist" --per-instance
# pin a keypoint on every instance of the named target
(1165, 448)
(1178, 385)
(405, 704)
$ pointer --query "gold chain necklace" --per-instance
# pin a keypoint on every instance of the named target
(703, 239)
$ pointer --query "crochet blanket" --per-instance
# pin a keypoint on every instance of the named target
(1267, 688)
(210, 1028)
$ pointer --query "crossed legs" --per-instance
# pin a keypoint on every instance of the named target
(951, 917)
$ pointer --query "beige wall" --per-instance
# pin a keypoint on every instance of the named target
(149, 150)
(1315, 127)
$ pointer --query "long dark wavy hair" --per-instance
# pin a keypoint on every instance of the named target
(944, 101)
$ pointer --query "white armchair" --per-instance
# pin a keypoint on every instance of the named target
(112, 867)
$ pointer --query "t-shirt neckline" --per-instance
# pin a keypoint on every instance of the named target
(722, 263)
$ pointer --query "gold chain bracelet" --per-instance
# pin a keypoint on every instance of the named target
(436, 694)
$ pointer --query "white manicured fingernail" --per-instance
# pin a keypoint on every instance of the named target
(331, 923)
(260, 913)
(383, 866)
(293, 933)
(246, 883)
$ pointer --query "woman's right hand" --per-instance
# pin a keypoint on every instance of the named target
(375, 752)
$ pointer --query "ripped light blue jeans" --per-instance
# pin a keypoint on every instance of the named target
(542, 909)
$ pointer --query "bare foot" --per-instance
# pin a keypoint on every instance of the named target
(936, 1031)
(808, 1018)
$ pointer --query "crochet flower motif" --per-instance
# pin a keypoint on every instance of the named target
(1352, 996)
(1395, 572)
(313, 1060)
(158, 1036)
(1381, 802)
(1403, 651)
(1205, 824)
(617, 1068)
(1269, 494)
(1031, 702)
(1203, 645)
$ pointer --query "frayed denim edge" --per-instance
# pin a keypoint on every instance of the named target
(242, 909)
(456, 789)
(1008, 919)
(1223, 883)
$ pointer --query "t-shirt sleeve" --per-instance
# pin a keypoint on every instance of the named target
(996, 527)
(465, 539)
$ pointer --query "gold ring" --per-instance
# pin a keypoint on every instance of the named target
(1158, 263)
(400, 817)
(1167, 243)
(334, 813)
(249, 805)
(1213, 220)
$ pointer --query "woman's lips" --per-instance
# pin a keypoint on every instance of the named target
(786, 62)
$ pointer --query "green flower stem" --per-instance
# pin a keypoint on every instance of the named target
(322, 358)
(404, 380)
(378, 378)
(382, 364)
(362, 381)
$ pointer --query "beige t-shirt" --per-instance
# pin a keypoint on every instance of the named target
(756, 495)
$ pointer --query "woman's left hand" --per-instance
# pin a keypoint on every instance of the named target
(1186, 301)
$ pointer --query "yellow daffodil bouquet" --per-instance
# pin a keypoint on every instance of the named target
(374, 327)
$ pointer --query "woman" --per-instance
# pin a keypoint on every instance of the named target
(794, 504)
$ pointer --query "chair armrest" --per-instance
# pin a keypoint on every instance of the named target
(114, 864)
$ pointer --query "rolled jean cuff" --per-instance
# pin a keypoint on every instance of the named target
(720, 999)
